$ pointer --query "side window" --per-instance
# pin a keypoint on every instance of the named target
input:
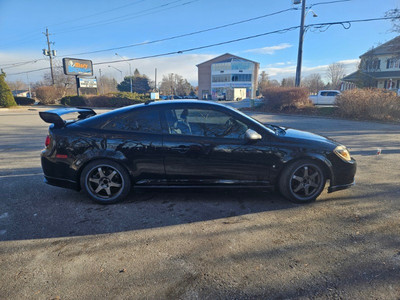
(332, 94)
(146, 121)
(324, 93)
(204, 122)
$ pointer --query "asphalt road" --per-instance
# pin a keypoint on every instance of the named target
(57, 244)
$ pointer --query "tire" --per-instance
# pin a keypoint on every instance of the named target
(302, 181)
(105, 181)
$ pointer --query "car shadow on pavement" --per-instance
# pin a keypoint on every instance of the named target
(34, 210)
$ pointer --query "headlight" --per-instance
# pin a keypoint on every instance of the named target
(342, 152)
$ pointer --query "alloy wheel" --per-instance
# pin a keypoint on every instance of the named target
(104, 181)
(305, 181)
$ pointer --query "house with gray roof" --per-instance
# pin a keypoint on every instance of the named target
(379, 67)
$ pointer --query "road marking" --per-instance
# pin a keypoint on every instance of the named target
(2, 232)
(3, 216)
(20, 175)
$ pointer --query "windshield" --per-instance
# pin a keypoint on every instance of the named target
(254, 120)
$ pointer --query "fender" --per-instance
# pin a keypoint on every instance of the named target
(93, 154)
(319, 157)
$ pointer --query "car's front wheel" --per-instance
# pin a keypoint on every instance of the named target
(302, 181)
(105, 181)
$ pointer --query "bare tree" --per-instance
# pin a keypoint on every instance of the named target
(288, 82)
(65, 85)
(313, 82)
(263, 81)
(107, 85)
(174, 84)
(335, 72)
(395, 15)
(17, 85)
(273, 83)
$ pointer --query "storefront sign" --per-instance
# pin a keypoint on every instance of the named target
(74, 66)
(87, 83)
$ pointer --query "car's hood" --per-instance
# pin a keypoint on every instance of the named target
(308, 137)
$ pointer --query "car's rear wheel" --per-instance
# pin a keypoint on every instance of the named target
(105, 181)
(302, 181)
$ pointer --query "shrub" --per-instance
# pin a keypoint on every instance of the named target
(283, 98)
(111, 101)
(6, 97)
(372, 104)
(47, 94)
(24, 101)
(128, 95)
(73, 101)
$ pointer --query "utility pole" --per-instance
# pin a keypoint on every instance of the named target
(301, 37)
(130, 70)
(155, 80)
(100, 83)
(49, 54)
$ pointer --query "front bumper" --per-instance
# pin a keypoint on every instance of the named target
(343, 174)
(335, 188)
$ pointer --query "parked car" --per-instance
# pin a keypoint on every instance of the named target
(325, 97)
(185, 143)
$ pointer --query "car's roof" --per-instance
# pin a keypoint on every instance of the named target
(183, 101)
(149, 104)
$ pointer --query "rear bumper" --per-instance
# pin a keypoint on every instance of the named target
(60, 182)
(58, 172)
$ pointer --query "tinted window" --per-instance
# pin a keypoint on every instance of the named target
(324, 93)
(332, 93)
(147, 121)
(204, 122)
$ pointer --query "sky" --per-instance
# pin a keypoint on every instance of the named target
(94, 25)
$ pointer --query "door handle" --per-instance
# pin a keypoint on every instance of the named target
(181, 149)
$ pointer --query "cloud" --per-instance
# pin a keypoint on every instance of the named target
(271, 49)
(276, 72)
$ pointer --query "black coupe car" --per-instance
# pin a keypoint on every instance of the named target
(187, 144)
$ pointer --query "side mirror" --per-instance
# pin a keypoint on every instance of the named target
(251, 135)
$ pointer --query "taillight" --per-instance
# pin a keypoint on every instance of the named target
(47, 142)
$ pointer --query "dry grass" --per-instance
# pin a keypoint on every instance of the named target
(285, 98)
(369, 104)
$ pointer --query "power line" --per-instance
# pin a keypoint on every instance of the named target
(19, 64)
(185, 34)
(328, 2)
(128, 16)
(231, 41)
(158, 8)
(28, 36)
(100, 13)
(191, 33)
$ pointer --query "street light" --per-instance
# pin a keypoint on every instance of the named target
(122, 78)
(130, 69)
(301, 38)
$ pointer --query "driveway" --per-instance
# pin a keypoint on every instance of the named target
(57, 244)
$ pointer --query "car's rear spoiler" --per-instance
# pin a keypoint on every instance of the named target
(54, 115)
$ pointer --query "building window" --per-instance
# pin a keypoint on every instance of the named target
(372, 65)
(241, 77)
(393, 63)
(221, 78)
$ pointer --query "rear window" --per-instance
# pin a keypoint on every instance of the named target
(99, 120)
(143, 120)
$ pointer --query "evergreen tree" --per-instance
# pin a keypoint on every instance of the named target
(6, 97)
(140, 84)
